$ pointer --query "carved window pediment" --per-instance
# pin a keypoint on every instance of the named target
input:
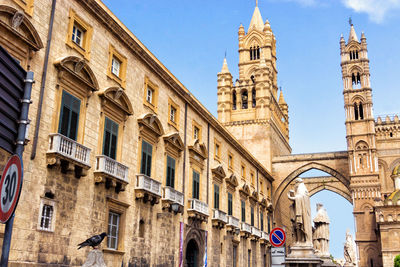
(254, 196)
(244, 190)
(77, 69)
(115, 97)
(232, 181)
(17, 23)
(150, 126)
(198, 153)
(174, 143)
(218, 173)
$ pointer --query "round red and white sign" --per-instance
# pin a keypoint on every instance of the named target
(10, 187)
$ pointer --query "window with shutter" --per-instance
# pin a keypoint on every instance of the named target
(216, 197)
(243, 211)
(69, 116)
(229, 204)
(147, 150)
(196, 185)
(170, 171)
(110, 138)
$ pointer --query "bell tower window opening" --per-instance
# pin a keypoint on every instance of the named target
(251, 53)
(253, 97)
(245, 98)
(355, 111)
(234, 100)
(258, 52)
(254, 52)
(353, 55)
(361, 111)
(356, 80)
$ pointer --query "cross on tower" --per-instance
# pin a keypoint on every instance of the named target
(256, 2)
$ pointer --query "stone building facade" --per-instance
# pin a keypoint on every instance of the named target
(118, 144)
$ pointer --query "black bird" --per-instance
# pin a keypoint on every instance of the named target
(93, 241)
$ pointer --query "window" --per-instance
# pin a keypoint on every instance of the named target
(253, 98)
(234, 100)
(196, 185)
(230, 204)
(141, 228)
(46, 216)
(110, 138)
(269, 223)
(217, 150)
(245, 99)
(262, 221)
(243, 211)
(170, 171)
(79, 35)
(249, 258)
(353, 55)
(358, 111)
(173, 118)
(252, 178)
(150, 95)
(356, 80)
(147, 151)
(243, 171)
(216, 197)
(115, 66)
(261, 187)
(254, 52)
(69, 116)
(230, 161)
(116, 69)
(113, 229)
(196, 130)
(252, 215)
(234, 256)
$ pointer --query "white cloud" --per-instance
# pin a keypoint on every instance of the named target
(376, 9)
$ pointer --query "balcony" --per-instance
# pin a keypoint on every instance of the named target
(68, 154)
(264, 238)
(245, 229)
(198, 210)
(111, 172)
(171, 197)
(233, 224)
(219, 219)
(147, 189)
(255, 233)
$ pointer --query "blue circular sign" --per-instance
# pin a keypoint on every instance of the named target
(277, 237)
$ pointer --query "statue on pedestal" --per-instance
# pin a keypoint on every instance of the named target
(321, 232)
(301, 213)
(349, 250)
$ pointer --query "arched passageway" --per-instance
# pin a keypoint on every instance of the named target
(192, 254)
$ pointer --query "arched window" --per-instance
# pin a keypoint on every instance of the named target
(254, 52)
(358, 111)
(245, 98)
(353, 55)
(258, 52)
(253, 97)
(234, 100)
(355, 111)
(356, 80)
(361, 111)
(251, 53)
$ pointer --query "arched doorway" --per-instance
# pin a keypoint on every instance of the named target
(192, 254)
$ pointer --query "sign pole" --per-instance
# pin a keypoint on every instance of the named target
(22, 123)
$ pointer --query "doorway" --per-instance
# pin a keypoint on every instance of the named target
(192, 254)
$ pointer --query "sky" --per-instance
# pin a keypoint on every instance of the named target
(191, 38)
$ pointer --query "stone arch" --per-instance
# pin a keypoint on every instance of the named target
(118, 97)
(312, 165)
(339, 191)
(356, 69)
(358, 99)
(197, 236)
(361, 145)
(394, 164)
(254, 37)
(366, 207)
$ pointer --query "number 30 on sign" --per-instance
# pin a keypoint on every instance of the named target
(10, 187)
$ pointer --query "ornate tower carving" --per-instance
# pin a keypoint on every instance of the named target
(361, 143)
(250, 108)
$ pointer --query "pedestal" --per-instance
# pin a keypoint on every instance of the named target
(327, 262)
(95, 259)
(302, 256)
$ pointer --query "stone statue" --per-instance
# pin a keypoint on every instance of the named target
(321, 232)
(95, 259)
(301, 213)
(349, 251)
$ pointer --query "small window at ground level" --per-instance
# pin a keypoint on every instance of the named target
(46, 217)
(113, 229)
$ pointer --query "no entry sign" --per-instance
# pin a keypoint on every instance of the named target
(10, 187)
(277, 237)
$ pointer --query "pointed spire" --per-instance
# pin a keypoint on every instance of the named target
(281, 99)
(353, 35)
(257, 21)
(225, 67)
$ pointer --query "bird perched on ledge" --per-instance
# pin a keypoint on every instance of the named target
(93, 241)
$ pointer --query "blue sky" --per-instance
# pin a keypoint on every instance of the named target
(191, 37)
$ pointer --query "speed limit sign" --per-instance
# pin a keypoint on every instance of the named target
(10, 187)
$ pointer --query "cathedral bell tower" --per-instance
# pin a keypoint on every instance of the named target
(361, 143)
(250, 107)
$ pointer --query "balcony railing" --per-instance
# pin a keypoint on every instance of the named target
(220, 216)
(198, 206)
(111, 167)
(245, 227)
(255, 232)
(232, 221)
(145, 183)
(170, 194)
(264, 235)
(69, 149)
